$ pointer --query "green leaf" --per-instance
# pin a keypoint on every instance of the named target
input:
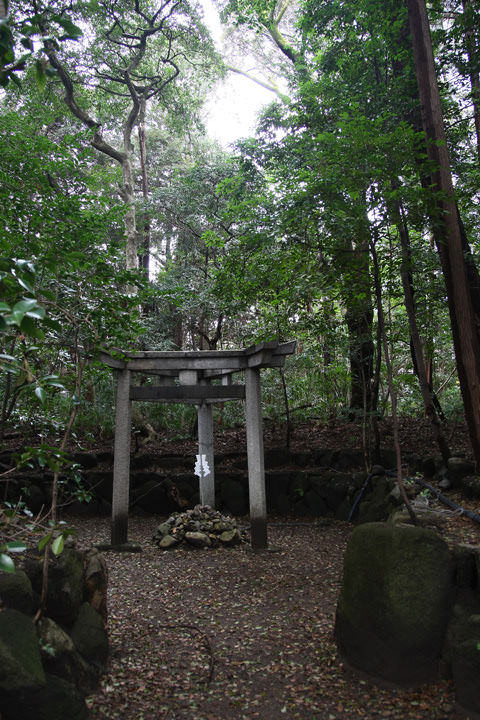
(53, 381)
(40, 76)
(41, 394)
(28, 326)
(72, 30)
(44, 541)
(24, 306)
(58, 545)
(6, 563)
(37, 312)
(16, 547)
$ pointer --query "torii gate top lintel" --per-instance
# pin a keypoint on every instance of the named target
(194, 370)
(214, 363)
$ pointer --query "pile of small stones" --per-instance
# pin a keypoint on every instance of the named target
(201, 527)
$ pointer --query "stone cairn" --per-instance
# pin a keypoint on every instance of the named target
(201, 527)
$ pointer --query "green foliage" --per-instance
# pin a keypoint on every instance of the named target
(24, 38)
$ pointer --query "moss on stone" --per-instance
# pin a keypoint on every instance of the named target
(395, 601)
(20, 661)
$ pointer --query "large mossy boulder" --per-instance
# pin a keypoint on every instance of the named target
(461, 654)
(65, 583)
(395, 601)
(89, 635)
(20, 661)
(16, 591)
(57, 699)
(60, 657)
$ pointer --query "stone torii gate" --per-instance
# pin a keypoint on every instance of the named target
(186, 377)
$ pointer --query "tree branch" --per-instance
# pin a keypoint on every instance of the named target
(268, 86)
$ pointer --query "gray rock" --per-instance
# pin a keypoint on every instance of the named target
(96, 581)
(230, 537)
(60, 657)
(315, 503)
(20, 662)
(65, 586)
(168, 541)
(445, 483)
(16, 591)
(53, 640)
(463, 657)
(459, 468)
(277, 457)
(471, 487)
(89, 635)
(35, 499)
(163, 529)
(395, 601)
(201, 526)
(197, 539)
(56, 700)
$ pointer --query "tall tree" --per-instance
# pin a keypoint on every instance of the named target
(450, 247)
(136, 54)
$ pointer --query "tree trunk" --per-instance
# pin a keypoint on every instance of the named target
(416, 343)
(359, 320)
(144, 256)
(393, 395)
(131, 250)
(472, 52)
(450, 249)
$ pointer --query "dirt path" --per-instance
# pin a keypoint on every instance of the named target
(231, 634)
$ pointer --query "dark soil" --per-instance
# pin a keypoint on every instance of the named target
(232, 634)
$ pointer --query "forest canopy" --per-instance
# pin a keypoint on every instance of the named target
(348, 221)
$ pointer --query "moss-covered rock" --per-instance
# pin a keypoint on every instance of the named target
(65, 587)
(461, 654)
(60, 657)
(395, 602)
(65, 583)
(20, 661)
(89, 635)
(16, 591)
(56, 700)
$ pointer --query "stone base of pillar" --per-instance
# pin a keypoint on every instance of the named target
(122, 547)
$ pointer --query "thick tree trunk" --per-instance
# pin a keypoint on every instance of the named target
(472, 52)
(467, 348)
(144, 256)
(416, 343)
(359, 320)
(131, 250)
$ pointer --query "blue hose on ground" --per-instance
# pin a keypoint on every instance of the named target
(359, 497)
(449, 503)
(469, 513)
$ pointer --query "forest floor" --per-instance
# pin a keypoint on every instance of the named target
(231, 634)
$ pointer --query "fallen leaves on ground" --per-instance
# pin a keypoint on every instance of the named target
(235, 634)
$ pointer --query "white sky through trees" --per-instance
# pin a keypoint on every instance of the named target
(231, 112)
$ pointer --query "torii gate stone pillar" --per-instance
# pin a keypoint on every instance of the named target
(195, 371)
(256, 464)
